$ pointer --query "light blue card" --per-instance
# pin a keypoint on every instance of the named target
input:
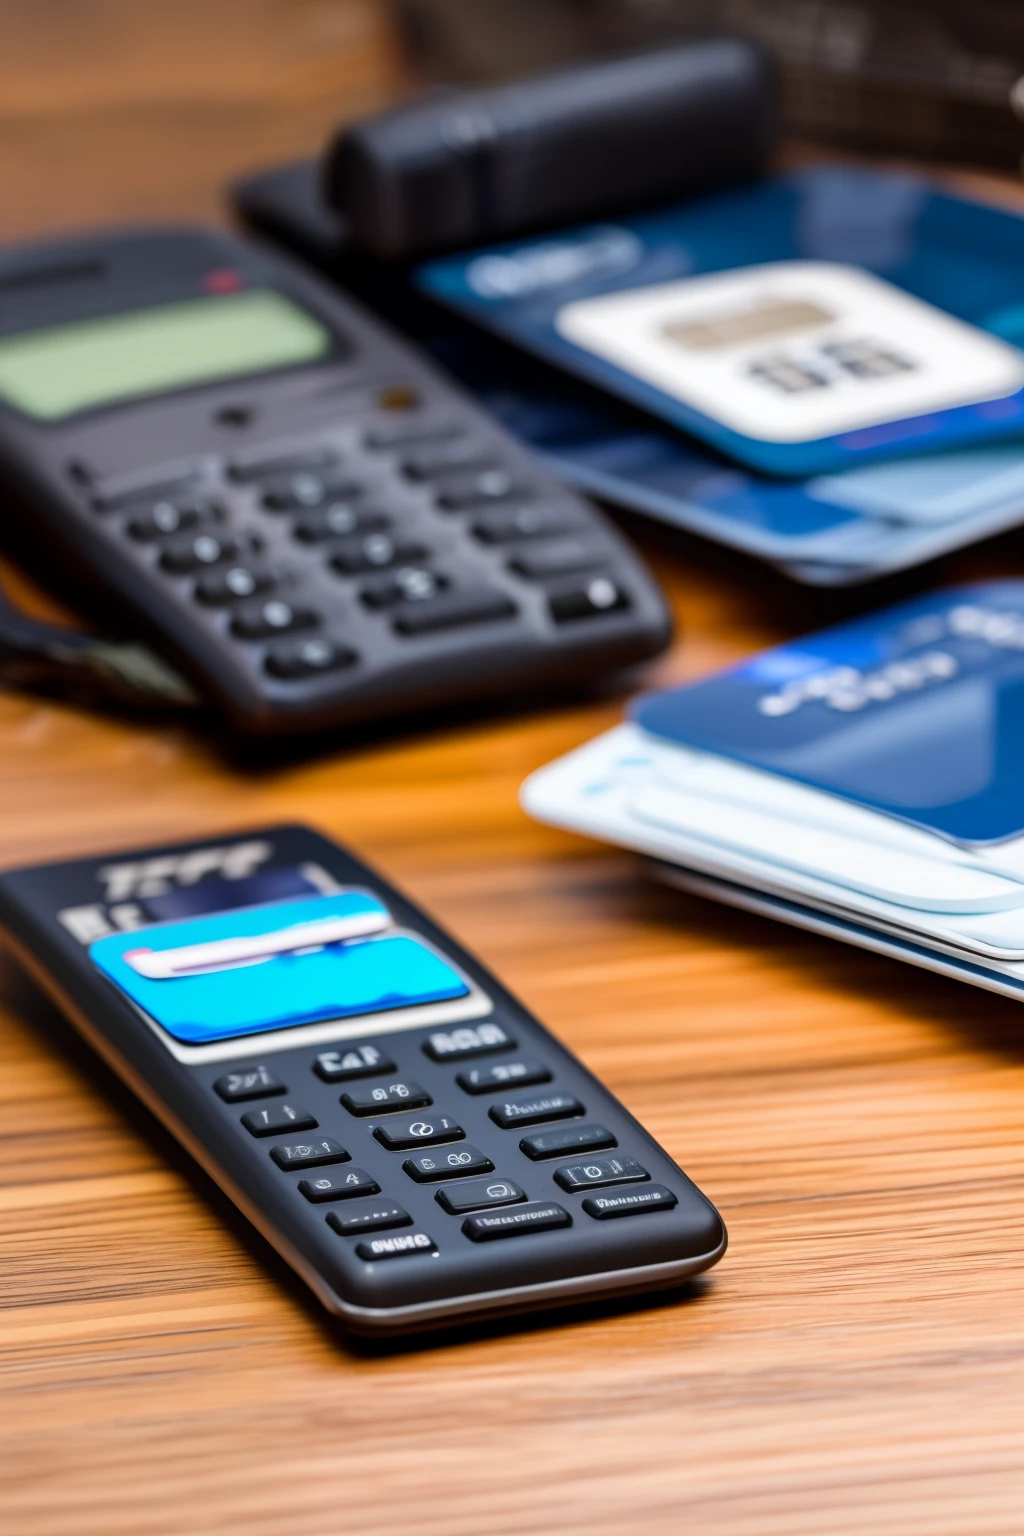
(189, 978)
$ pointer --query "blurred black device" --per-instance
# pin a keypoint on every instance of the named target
(463, 167)
(421, 1159)
(936, 78)
(295, 507)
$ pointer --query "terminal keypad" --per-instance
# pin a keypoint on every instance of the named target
(430, 1149)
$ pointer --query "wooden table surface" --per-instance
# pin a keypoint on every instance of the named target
(854, 1364)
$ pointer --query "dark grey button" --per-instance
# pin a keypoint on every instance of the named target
(375, 552)
(193, 551)
(336, 520)
(468, 1040)
(307, 658)
(258, 466)
(277, 1118)
(501, 1074)
(305, 488)
(456, 1199)
(385, 1097)
(344, 1185)
(453, 1163)
(505, 525)
(516, 1221)
(248, 1083)
(238, 581)
(172, 487)
(159, 519)
(630, 1202)
(474, 490)
(357, 1061)
(452, 610)
(309, 1154)
(597, 596)
(408, 1131)
(272, 617)
(555, 1143)
(400, 1247)
(559, 556)
(534, 1109)
(368, 1216)
(404, 434)
(427, 463)
(409, 584)
(600, 1170)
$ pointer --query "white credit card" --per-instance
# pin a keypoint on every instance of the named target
(740, 824)
(1007, 980)
(794, 351)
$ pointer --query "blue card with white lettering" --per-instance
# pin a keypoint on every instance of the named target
(802, 325)
(916, 712)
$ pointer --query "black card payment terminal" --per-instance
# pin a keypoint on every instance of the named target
(294, 507)
(413, 1142)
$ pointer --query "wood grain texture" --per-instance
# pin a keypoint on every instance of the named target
(855, 1363)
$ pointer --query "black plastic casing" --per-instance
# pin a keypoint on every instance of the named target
(467, 166)
(55, 476)
(465, 1280)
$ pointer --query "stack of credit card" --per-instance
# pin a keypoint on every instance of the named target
(824, 369)
(866, 782)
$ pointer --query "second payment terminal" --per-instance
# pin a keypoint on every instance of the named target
(297, 509)
(412, 1141)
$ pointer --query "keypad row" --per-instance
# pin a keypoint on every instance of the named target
(360, 1061)
(470, 1186)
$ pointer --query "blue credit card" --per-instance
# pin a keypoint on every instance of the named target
(762, 359)
(916, 711)
(864, 520)
(274, 967)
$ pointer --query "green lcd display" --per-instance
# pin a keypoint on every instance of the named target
(56, 371)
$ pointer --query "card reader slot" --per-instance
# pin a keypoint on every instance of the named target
(222, 954)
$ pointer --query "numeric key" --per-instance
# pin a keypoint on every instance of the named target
(516, 1221)
(599, 1171)
(587, 601)
(296, 659)
(279, 1117)
(368, 1216)
(163, 518)
(274, 617)
(400, 1135)
(336, 521)
(501, 1074)
(455, 1163)
(534, 1109)
(630, 1202)
(239, 581)
(191, 553)
(248, 1083)
(375, 552)
(579, 1138)
(358, 1061)
(405, 1244)
(468, 1040)
(385, 1097)
(457, 1199)
(343, 1185)
(309, 1154)
(304, 488)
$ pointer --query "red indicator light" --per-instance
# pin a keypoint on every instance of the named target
(222, 280)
